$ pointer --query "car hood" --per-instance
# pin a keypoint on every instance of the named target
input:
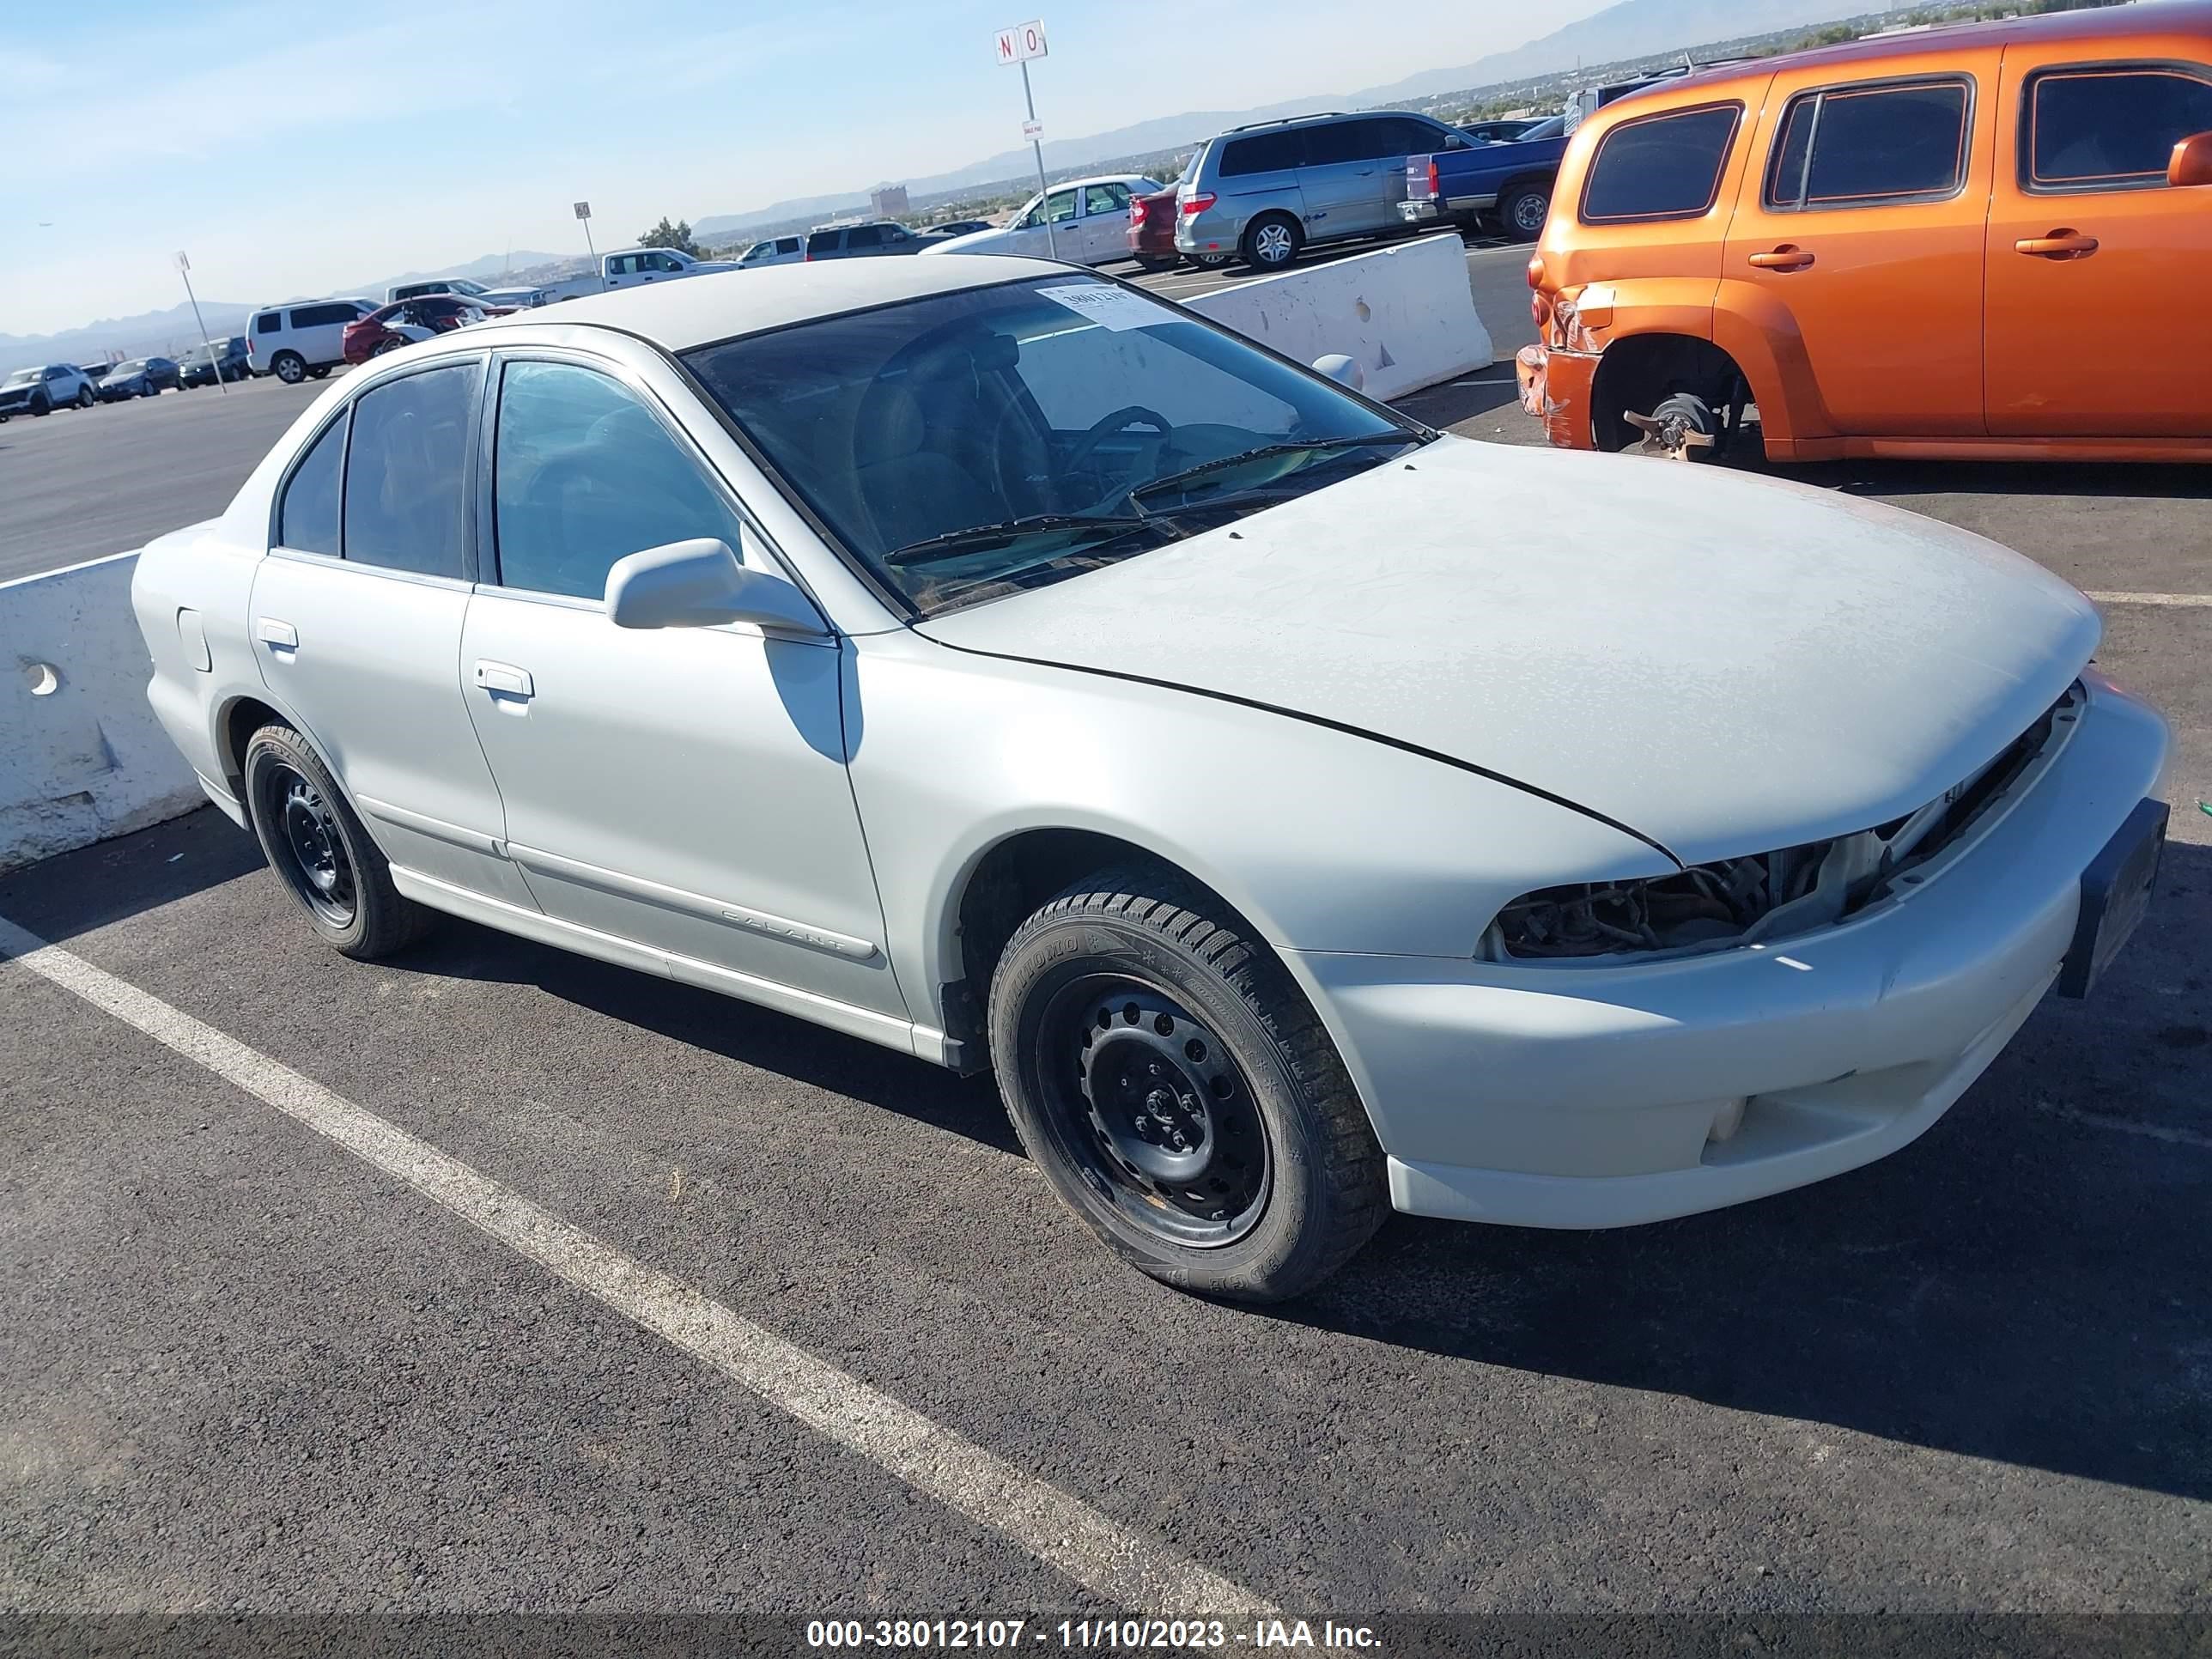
(1727, 665)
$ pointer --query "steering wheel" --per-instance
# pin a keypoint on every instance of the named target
(1107, 426)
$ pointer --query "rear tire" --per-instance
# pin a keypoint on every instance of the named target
(289, 366)
(321, 373)
(1214, 1140)
(312, 840)
(42, 405)
(1155, 262)
(1272, 242)
(1521, 213)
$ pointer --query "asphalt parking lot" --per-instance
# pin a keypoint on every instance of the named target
(266, 1350)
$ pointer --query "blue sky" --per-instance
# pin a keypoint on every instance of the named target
(294, 147)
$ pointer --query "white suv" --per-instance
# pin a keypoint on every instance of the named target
(295, 341)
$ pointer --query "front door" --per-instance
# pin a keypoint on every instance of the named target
(2097, 323)
(357, 618)
(1346, 193)
(1860, 228)
(684, 788)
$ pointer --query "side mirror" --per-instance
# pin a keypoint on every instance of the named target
(1344, 370)
(2191, 163)
(698, 584)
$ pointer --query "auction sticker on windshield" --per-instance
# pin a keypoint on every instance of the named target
(1112, 308)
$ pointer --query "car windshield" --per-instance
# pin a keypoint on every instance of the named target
(966, 445)
(131, 367)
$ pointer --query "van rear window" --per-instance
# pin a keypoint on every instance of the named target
(1663, 166)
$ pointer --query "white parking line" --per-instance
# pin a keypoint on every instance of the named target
(2102, 598)
(2126, 1126)
(1065, 1533)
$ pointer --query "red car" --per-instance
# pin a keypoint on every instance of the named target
(1151, 233)
(389, 327)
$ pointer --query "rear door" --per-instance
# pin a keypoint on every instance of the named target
(2097, 324)
(1105, 225)
(357, 613)
(1859, 230)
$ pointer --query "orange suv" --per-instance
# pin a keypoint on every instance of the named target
(1988, 240)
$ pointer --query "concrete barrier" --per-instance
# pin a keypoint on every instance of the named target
(81, 757)
(1405, 313)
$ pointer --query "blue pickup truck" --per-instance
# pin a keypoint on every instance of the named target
(1503, 186)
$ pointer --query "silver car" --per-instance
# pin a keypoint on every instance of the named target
(1266, 192)
(1303, 813)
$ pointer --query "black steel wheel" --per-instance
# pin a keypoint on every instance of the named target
(317, 846)
(1177, 1090)
(1150, 1105)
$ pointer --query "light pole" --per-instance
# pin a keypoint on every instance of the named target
(215, 361)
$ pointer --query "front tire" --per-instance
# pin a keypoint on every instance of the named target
(1175, 1088)
(289, 366)
(86, 397)
(1272, 242)
(314, 843)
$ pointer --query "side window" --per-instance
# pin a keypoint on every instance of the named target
(1403, 136)
(2109, 128)
(1263, 152)
(1853, 145)
(787, 245)
(407, 468)
(1105, 199)
(1663, 166)
(307, 516)
(864, 236)
(1336, 142)
(822, 241)
(667, 262)
(268, 322)
(586, 475)
(1059, 207)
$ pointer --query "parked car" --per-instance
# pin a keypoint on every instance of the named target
(1089, 220)
(1935, 244)
(635, 267)
(1266, 192)
(1501, 132)
(138, 377)
(40, 390)
(513, 297)
(871, 240)
(773, 251)
(1505, 187)
(1562, 891)
(200, 365)
(957, 228)
(1152, 231)
(389, 327)
(295, 341)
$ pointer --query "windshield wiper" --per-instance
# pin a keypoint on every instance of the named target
(954, 542)
(1311, 445)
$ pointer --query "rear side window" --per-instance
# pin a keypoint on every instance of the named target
(407, 467)
(864, 236)
(2109, 128)
(1852, 145)
(1664, 167)
(584, 476)
(1263, 152)
(787, 245)
(307, 516)
(319, 316)
(268, 322)
(822, 241)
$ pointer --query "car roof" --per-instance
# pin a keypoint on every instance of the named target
(678, 316)
(2163, 17)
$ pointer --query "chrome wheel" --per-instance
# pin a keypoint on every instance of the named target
(1148, 1104)
(310, 848)
(290, 369)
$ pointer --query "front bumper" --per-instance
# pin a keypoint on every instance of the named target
(1570, 1096)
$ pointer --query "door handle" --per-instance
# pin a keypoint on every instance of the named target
(2059, 245)
(1782, 259)
(506, 679)
(281, 635)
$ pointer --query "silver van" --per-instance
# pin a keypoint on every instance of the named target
(1264, 193)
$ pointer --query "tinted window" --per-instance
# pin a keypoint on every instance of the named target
(787, 245)
(1402, 135)
(268, 322)
(1343, 141)
(822, 241)
(407, 469)
(308, 517)
(1263, 152)
(585, 476)
(318, 316)
(1665, 166)
(1869, 144)
(2110, 128)
(864, 236)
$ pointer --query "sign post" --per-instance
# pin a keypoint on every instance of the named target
(584, 213)
(1018, 45)
(215, 360)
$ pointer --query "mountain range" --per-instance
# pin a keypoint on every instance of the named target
(1633, 28)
